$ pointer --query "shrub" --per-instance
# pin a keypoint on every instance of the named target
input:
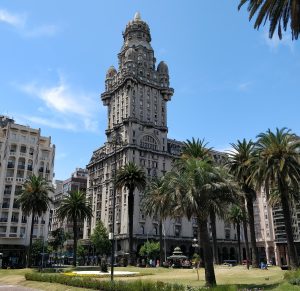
(104, 285)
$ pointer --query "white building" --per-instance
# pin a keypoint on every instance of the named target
(23, 152)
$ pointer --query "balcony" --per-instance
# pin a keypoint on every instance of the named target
(20, 180)
(9, 179)
(5, 205)
(3, 219)
(7, 191)
(12, 235)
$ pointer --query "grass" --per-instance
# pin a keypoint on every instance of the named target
(271, 279)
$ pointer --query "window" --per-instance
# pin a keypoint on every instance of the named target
(148, 142)
(227, 233)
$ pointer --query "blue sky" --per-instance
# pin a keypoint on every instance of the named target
(230, 80)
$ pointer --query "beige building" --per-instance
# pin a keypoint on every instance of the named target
(136, 95)
(76, 182)
(23, 152)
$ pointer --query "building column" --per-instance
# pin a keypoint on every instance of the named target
(277, 255)
(286, 255)
(267, 253)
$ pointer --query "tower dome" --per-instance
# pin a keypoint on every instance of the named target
(111, 72)
(162, 68)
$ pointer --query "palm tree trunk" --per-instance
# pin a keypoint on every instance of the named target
(292, 252)
(161, 249)
(30, 243)
(210, 279)
(214, 236)
(238, 231)
(249, 205)
(246, 241)
(130, 219)
(75, 241)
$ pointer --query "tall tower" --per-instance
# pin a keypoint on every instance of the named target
(136, 95)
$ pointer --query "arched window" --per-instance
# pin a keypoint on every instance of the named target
(148, 142)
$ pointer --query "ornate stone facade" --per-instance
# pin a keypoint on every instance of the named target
(136, 95)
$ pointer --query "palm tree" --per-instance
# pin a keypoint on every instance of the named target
(240, 163)
(75, 208)
(278, 167)
(131, 177)
(196, 148)
(235, 216)
(198, 187)
(34, 200)
(280, 13)
(157, 202)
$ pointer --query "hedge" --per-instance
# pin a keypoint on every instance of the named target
(104, 285)
(137, 285)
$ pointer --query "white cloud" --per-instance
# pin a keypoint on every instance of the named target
(15, 20)
(20, 23)
(64, 107)
(275, 43)
(52, 123)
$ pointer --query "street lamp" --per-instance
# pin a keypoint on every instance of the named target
(116, 141)
(195, 243)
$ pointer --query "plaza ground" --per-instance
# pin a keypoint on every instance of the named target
(271, 279)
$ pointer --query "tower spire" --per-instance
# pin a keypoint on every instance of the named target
(137, 16)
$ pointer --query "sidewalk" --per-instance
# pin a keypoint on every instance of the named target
(16, 288)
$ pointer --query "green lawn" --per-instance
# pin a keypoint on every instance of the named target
(271, 279)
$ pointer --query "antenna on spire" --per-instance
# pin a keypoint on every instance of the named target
(137, 16)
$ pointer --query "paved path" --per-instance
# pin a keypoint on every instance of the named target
(15, 288)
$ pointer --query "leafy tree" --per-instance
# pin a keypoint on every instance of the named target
(241, 166)
(280, 14)
(157, 201)
(131, 177)
(100, 239)
(235, 216)
(81, 252)
(75, 208)
(34, 200)
(150, 249)
(58, 238)
(278, 168)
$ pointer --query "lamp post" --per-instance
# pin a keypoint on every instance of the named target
(43, 253)
(112, 236)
